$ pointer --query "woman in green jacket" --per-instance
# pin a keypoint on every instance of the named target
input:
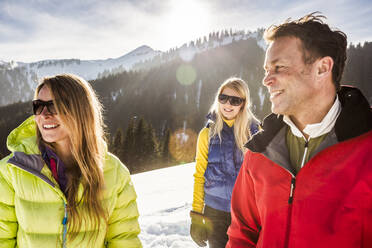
(60, 187)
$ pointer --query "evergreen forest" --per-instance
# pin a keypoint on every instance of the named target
(153, 116)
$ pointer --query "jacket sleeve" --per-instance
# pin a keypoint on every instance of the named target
(8, 219)
(245, 222)
(200, 167)
(123, 227)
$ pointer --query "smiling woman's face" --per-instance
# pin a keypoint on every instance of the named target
(229, 111)
(50, 125)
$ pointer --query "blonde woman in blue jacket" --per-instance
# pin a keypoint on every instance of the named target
(219, 155)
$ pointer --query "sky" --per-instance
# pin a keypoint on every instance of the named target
(33, 30)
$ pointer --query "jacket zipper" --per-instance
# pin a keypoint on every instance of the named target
(289, 216)
(290, 206)
(290, 199)
(305, 153)
(293, 185)
(64, 220)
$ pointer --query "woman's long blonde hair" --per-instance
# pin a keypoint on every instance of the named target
(81, 112)
(244, 118)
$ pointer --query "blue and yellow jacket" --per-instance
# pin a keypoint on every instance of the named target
(217, 166)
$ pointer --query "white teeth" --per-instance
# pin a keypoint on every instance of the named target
(50, 126)
(275, 93)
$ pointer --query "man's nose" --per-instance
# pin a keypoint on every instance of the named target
(268, 79)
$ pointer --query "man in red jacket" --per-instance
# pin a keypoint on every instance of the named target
(306, 180)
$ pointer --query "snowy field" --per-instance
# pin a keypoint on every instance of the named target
(164, 202)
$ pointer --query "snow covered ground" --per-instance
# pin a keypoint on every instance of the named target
(164, 202)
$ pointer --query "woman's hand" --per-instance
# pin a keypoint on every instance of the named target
(199, 228)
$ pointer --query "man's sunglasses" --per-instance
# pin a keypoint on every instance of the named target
(234, 100)
(38, 106)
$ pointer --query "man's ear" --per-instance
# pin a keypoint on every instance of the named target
(324, 66)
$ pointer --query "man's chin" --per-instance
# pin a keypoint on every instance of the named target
(276, 110)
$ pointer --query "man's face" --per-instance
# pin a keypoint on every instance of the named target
(289, 81)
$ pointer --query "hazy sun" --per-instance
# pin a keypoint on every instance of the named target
(186, 21)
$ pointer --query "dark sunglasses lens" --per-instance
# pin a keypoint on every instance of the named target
(51, 108)
(235, 101)
(38, 107)
(223, 98)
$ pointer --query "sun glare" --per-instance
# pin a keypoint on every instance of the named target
(187, 20)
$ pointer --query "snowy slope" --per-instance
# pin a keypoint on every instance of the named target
(89, 69)
(187, 53)
(18, 80)
(164, 202)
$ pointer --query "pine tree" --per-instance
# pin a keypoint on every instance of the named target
(205, 40)
(151, 145)
(198, 43)
(117, 144)
(226, 33)
(139, 140)
(165, 153)
(146, 145)
(129, 145)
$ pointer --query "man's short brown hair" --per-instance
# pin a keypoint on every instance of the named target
(318, 41)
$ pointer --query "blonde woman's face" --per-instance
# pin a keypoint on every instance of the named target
(229, 111)
(50, 125)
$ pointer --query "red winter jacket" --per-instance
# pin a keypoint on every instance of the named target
(327, 204)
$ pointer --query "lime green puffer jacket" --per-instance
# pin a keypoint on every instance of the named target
(32, 206)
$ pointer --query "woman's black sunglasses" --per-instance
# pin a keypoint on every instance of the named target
(234, 100)
(38, 106)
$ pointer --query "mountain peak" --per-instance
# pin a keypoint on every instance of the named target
(140, 50)
(143, 48)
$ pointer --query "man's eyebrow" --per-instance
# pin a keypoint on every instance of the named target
(271, 62)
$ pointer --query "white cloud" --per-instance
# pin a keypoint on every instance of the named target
(108, 30)
(35, 30)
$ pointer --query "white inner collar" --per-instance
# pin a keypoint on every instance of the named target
(317, 129)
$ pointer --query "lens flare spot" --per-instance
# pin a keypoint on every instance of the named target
(182, 145)
(186, 74)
